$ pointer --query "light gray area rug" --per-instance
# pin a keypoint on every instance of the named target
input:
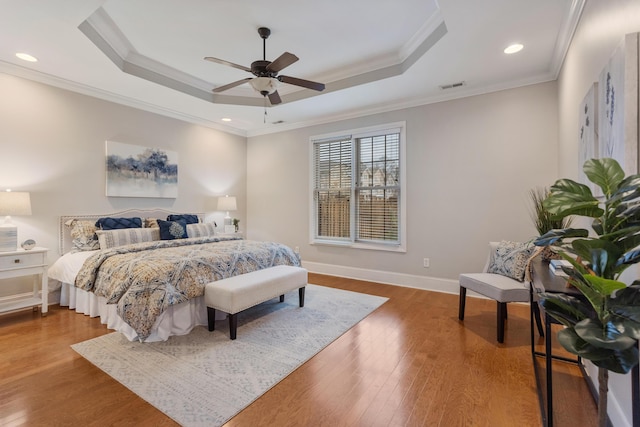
(204, 378)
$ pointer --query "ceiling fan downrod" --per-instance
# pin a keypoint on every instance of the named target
(264, 33)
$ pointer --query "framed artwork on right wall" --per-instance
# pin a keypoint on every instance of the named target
(588, 134)
(618, 106)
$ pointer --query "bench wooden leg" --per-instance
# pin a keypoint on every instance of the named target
(233, 325)
(463, 297)
(301, 296)
(282, 298)
(211, 318)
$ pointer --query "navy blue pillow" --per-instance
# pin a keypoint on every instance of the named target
(189, 219)
(110, 223)
(170, 230)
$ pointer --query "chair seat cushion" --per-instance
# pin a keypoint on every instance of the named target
(495, 286)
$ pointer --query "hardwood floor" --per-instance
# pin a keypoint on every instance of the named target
(409, 363)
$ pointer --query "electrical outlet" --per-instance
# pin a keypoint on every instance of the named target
(296, 249)
(425, 262)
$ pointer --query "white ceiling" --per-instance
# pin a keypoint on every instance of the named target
(373, 56)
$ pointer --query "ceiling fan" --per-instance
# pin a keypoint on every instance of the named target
(266, 73)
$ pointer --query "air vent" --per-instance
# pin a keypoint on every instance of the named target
(452, 85)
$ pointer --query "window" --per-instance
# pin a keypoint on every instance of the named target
(358, 187)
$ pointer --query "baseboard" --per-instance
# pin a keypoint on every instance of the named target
(387, 277)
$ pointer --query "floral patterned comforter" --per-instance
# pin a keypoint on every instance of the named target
(145, 279)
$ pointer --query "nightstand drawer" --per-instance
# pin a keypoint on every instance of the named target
(21, 260)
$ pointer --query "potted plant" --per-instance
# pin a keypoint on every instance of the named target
(543, 220)
(604, 326)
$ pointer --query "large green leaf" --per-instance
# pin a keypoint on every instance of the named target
(554, 236)
(572, 342)
(602, 336)
(578, 280)
(602, 286)
(628, 189)
(619, 361)
(625, 308)
(606, 173)
(566, 309)
(568, 197)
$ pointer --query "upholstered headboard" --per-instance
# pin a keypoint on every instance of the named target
(64, 237)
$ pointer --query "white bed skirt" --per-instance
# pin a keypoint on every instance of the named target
(176, 320)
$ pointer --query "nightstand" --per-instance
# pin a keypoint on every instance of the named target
(26, 263)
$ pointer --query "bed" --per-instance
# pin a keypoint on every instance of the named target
(149, 288)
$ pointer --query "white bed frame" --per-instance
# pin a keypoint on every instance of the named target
(176, 320)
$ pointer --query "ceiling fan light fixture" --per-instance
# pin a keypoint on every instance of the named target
(264, 85)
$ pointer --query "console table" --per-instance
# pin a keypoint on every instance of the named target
(543, 280)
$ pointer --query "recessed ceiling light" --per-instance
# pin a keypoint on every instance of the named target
(26, 57)
(226, 119)
(516, 47)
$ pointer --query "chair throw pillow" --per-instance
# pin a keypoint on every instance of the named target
(510, 259)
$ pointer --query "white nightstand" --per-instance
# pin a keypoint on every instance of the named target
(26, 263)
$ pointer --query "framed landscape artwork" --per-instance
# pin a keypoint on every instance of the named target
(588, 134)
(136, 171)
(618, 106)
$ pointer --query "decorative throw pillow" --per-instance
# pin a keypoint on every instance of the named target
(170, 230)
(83, 235)
(151, 223)
(201, 230)
(188, 218)
(126, 236)
(510, 259)
(111, 223)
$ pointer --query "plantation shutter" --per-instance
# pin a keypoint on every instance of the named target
(332, 187)
(378, 188)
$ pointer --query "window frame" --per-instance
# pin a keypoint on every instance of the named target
(354, 135)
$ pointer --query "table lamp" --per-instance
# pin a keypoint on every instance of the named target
(227, 203)
(12, 203)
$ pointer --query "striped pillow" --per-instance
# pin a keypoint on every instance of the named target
(126, 236)
(202, 229)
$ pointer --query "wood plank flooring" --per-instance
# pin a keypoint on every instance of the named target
(409, 363)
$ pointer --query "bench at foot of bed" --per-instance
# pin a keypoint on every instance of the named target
(237, 293)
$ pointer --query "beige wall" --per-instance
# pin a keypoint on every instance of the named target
(53, 145)
(601, 28)
(470, 165)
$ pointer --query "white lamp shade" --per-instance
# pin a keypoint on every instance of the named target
(15, 203)
(227, 203)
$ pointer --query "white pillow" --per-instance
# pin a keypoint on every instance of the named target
(126, 236)
(202, 229)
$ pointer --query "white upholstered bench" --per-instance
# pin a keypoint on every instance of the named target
(237, 293)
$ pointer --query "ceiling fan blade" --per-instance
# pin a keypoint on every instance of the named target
(230, 85)
(230, 64)
(282, 61)
(301, 82)
(274, 98)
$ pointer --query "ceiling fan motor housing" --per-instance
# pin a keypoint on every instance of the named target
(259, 69)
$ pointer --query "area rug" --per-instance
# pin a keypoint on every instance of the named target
(204, 378)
